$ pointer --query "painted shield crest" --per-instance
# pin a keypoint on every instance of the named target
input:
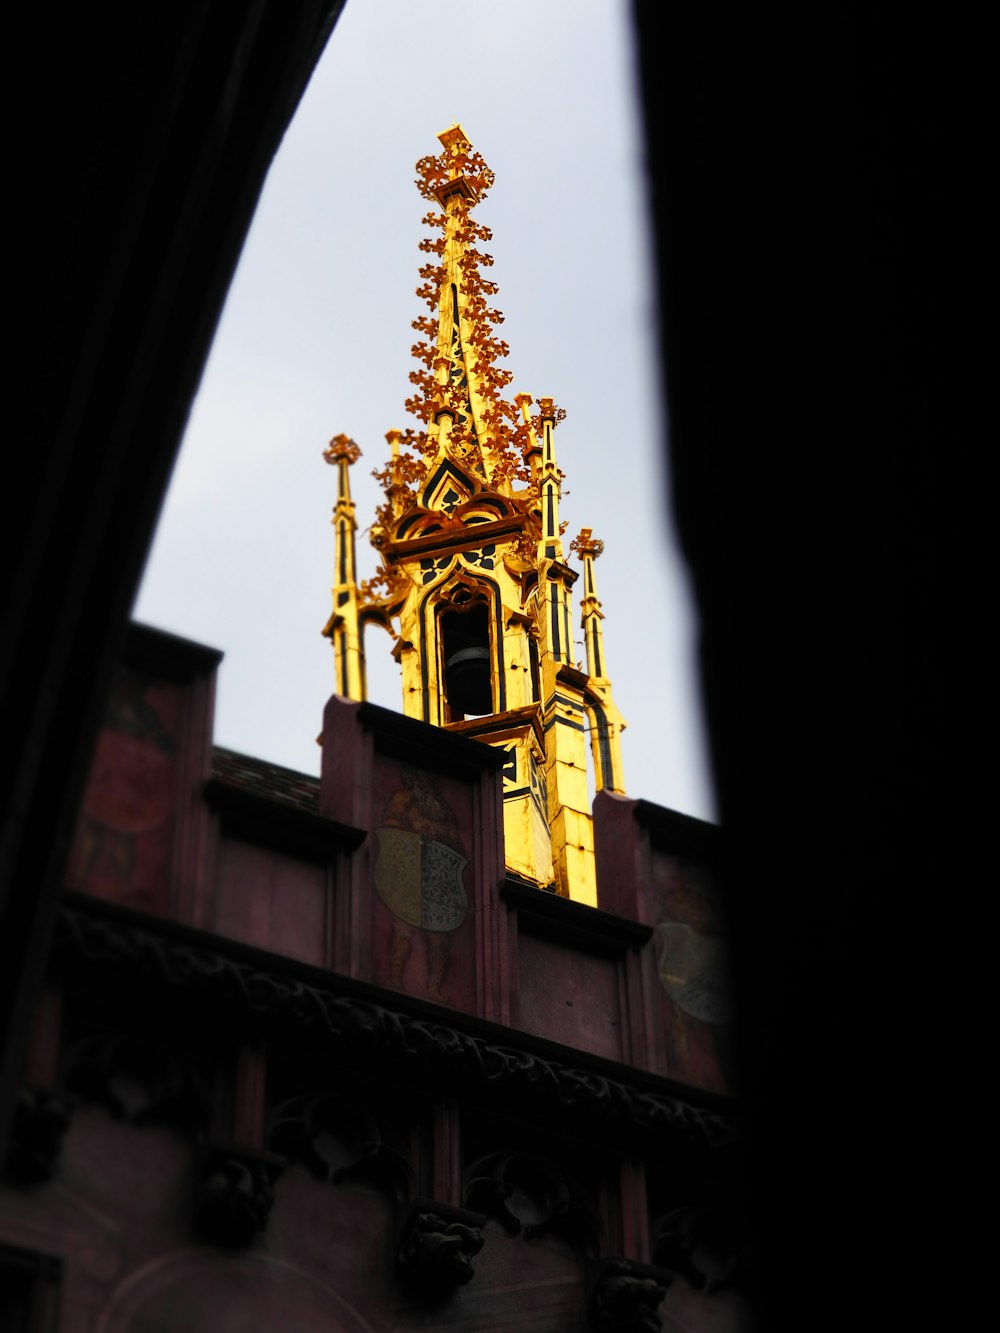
(693, 971)
(420, 880)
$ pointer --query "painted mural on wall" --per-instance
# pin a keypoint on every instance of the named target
(419, 878)
(122, 843)
(693, 967)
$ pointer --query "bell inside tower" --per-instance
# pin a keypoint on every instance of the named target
(465, 639)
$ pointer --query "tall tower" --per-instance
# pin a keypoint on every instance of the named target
(474, 584)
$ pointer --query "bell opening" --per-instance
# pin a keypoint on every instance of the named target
(466, 650)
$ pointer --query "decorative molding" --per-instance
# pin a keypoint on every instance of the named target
(340, 1140)
(625, 1296)
(505, 1185)
(114, 947)
(436, 1245)
(234, 1192)
(41, 1118)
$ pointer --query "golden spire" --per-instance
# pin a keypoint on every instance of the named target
(459, 384)
(474, 583)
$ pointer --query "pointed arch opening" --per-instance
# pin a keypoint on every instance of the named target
(467, 659)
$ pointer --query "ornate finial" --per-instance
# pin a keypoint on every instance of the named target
(550, 412)
(585, 544)
(458, 172)
(454, 139)
(341, 446)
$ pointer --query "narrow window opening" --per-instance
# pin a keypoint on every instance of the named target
(536, 685)
(465, 637)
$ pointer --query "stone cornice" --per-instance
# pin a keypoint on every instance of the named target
(265, 819)
(118, 948)
(584, 927)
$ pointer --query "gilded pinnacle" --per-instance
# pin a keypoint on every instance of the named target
(586, 544)
(341, 446)
(454, 140)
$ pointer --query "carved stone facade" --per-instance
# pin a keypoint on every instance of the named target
(307, 1053)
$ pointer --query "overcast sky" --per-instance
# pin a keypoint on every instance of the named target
(315, 340)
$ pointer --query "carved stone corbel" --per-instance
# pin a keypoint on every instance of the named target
(234, 1191)
(624, 1296)
(435, 1246)
(41, 1117)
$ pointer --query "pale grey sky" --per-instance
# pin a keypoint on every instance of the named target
(315, 340)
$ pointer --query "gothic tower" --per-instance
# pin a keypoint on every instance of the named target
(474, 584)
